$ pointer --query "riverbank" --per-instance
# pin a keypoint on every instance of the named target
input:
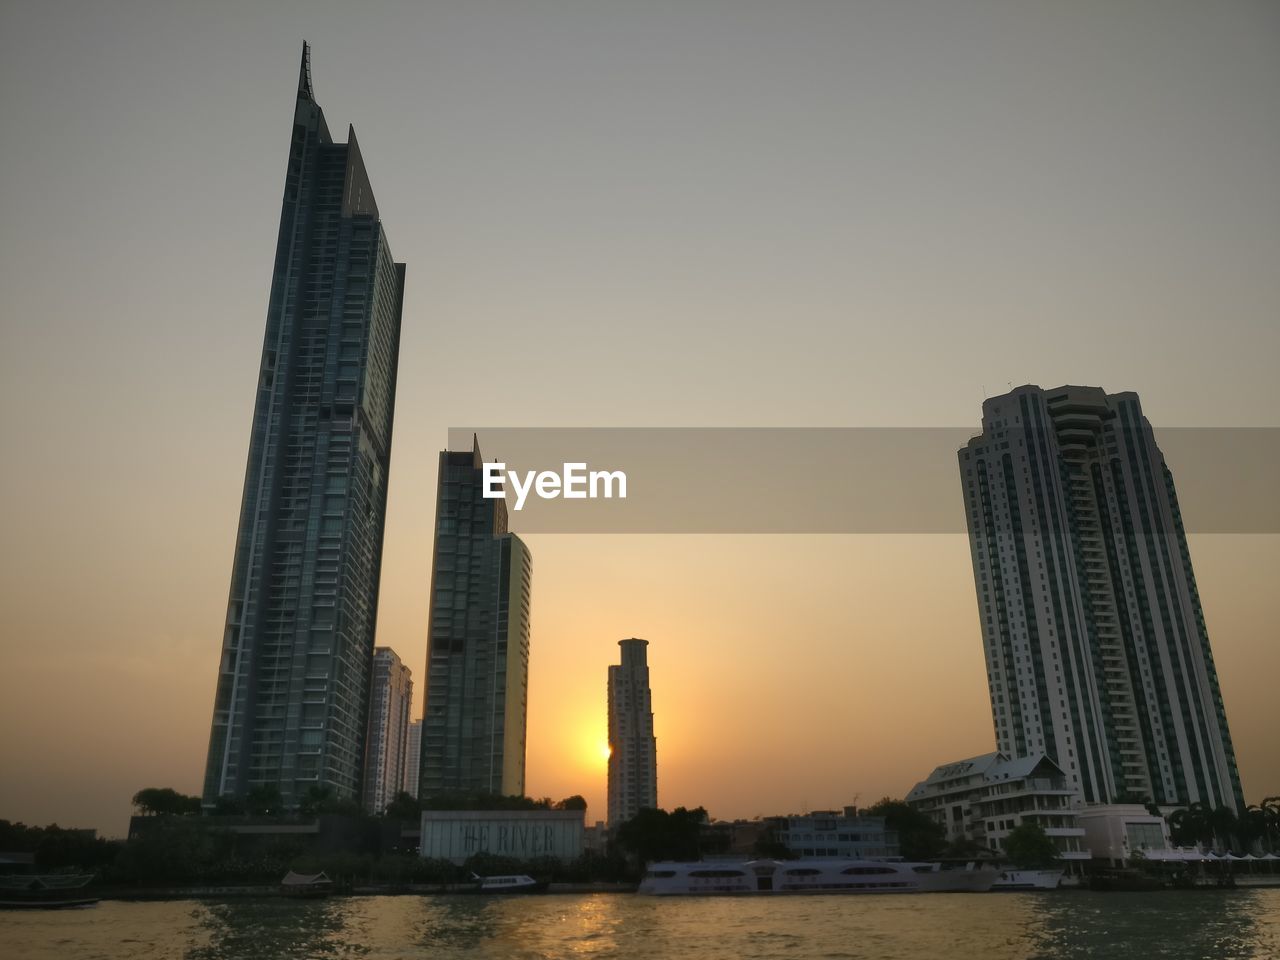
(271, 891)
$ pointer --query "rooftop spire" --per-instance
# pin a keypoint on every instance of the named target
(304, 74)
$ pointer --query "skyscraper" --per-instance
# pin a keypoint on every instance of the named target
(1096, 647)
(473, 719)
(293, 683)
(633, 749)
(387, 744)
(412, 759)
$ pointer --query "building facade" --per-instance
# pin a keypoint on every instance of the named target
(826, 833)
(633, 749)
(291, 705)
(1118, 833)
(387, 745)
(456, 835)
(1096, 649)
(982, 799)
(412, 759)
(477, 686)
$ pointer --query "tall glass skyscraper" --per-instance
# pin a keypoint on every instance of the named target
(633, 749)
(293, 685)
(1096, 646)
(477, 686)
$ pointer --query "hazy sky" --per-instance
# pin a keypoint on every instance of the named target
(658, 213)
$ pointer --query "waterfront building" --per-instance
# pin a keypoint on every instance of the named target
(982, 799)
(595, 838)
(1096, 649)
(477, 677)
(387, 746)
(633, 749)
(455, 835)
(1115, 833)
(735, 837)
(828, 833)
(412, 759)
(291, 705)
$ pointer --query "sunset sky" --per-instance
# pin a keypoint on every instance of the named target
(618, 214)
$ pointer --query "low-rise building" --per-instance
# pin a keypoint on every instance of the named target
(523, 834)
(1116, 832)
(826, 833)
(982, 799)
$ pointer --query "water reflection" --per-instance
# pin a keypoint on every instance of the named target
(271, 928)
(1191, 925)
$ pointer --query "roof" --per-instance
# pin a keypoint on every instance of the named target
(292, 879)
(989, 766)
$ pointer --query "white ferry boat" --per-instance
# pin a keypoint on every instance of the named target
(778, 876)
(954, 878)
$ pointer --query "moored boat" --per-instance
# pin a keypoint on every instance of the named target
(969, 877)
(510, 883)
(45, 892)
(751, 877)
(308, 886)
(1028, 880)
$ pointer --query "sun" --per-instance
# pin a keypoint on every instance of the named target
(605, 752)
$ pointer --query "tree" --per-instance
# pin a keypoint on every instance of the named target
(919, 836)
(1029, 847)
(228, 806)
(264, 800)
(768, 845)
(1271, 822)
(482, 801)
(1190, 825)
(654, 834)
(1200, 824)
(576, 802)
(403, 806)
(966, 848)
(156, 801)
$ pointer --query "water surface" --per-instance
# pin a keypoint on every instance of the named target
(1174, 925)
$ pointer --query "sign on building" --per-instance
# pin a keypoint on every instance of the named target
(524, 834)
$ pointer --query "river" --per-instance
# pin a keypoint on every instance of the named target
(1173, 925)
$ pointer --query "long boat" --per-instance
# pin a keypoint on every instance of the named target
(972, 877)
(1028, 880)
(45, 892)
(751, 877)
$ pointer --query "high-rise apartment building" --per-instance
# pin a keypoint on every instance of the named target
(387, 745)
(293, 684)
(1096, 648)
(412, 759)
(473, 720)
(633, 749)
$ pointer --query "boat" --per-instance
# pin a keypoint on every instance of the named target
(47, 892)
(1028, 880)
(307, 886)
(1127, 879)
(972, 877)
(769, 877)
(509, 883)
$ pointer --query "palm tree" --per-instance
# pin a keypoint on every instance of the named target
(1190, 825)
(1271, 822)
(1225, 826)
